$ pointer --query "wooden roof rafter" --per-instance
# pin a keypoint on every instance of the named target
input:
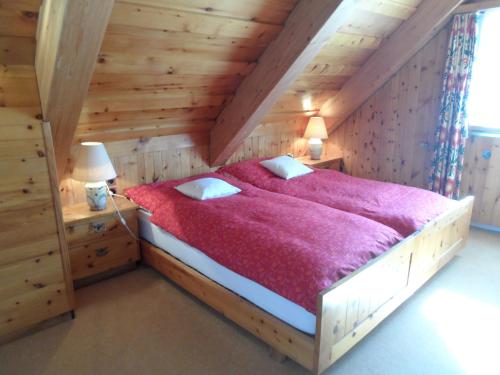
(306, 30)
(69, 38)
(407, 40)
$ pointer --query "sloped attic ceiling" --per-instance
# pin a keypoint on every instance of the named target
(169, 66)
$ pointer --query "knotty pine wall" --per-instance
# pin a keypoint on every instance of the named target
(391, 136)
(481, 179)
(147, 160)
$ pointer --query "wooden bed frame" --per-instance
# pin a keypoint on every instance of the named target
(350, 308)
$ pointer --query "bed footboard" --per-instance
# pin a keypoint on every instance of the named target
(355, 305)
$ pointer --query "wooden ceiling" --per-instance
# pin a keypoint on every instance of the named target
(169, 66)
(343, 55)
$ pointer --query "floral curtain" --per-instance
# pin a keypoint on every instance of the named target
(451, 132)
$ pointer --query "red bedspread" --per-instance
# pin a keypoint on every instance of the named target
(403, 208)
(292, 247)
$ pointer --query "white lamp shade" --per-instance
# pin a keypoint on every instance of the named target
(93, 163)
(316, 128)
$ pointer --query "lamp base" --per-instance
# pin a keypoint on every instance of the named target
(97, 195)
(315, 148)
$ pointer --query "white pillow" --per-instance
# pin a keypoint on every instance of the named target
(207, 188)
(286, 167)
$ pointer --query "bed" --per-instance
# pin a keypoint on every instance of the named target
(347, 308)
(403, 208)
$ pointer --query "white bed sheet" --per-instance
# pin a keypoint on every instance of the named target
(266, 299)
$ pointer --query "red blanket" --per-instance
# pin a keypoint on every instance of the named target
(292, 247)
(403, 208)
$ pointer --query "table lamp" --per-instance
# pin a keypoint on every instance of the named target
(316, 131)
(94, 167)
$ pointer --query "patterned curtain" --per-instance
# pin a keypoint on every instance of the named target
(451, 132)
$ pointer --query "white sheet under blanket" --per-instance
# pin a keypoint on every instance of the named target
(266, 299)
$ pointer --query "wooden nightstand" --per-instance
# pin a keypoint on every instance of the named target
(99, 245)
(333, 162)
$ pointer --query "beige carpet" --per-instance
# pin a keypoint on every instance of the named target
(138, 323)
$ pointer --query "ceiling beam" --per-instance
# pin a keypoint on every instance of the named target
(388, 59)
(309, 26)
(478, 6)
(69, 38)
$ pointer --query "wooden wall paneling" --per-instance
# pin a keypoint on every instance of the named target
(33, 279)
(68, 41)
(391, 136)
(306, 30)
(480, 178)
(406, 41)
(146, 160)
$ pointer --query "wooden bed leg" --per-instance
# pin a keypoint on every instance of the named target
(276, 355)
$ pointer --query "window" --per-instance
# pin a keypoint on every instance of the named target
(484, 99)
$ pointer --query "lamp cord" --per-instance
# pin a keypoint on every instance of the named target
(120, 216)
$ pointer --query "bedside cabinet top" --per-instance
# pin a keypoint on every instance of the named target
(308, 161)
(81, 211)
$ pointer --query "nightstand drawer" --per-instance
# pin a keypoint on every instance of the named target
(100, 256)
(99, 228)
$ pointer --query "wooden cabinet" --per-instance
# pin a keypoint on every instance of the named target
(98, 242)
(334, 162)
(35, 284)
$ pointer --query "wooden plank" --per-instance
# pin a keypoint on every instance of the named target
(65, 62)
(19, 18)
(287, 340)
(408, 39)
(175, 20)
(16, 50)
(306, 30)
(18, 87)
(148, 100)
(262, 11)
(145, 81)
(95, 119)
(184, 63)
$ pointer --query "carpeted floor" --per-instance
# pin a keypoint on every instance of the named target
(138, 323)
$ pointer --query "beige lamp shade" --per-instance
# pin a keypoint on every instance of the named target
(316, 128)
(93, 163)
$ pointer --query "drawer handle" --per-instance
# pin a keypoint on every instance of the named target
(102, 251)
(98, 227)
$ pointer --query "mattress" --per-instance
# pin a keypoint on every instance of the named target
(267, 300)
